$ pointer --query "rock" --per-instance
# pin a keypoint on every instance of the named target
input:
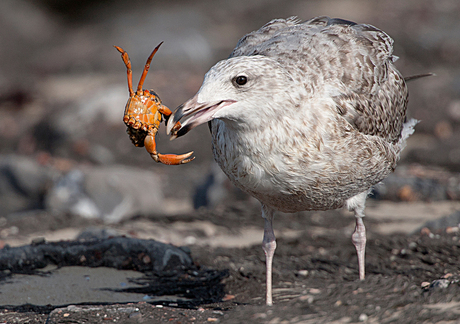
(447, 222)
(425, 285)
(23, 183)
(213, 189)
(440, 284)
(216, 189)
(68, 196)
(119, 253)
(109, 193)
(363, 317)
(401, 186)
(92, 111)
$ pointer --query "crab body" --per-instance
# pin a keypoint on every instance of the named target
(144, 113)
(142, 116)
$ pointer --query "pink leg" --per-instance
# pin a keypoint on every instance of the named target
(359, 241)
(269, 246)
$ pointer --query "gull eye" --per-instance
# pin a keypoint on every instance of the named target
(240, 80)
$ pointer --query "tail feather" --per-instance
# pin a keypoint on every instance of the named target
(408, 130)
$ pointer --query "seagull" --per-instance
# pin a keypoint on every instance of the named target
(304, 116)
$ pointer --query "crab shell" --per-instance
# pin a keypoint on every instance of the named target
(142, 115)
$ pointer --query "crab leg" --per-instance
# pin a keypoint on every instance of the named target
(171, 159)
(125, 58)
(147, 67)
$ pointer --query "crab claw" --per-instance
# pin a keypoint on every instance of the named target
(173, 159)
(170, 159)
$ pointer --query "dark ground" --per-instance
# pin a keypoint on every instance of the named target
(410, 279)
(62, 93)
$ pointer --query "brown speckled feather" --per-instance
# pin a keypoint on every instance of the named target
(355, 59)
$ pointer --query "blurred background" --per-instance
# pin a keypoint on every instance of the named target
(64, 152)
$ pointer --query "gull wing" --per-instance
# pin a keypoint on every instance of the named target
(348, 62)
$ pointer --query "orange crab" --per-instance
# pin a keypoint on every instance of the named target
(143, 114)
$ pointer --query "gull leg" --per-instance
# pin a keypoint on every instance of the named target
(359, 241)
(269, 246)
(358, 238)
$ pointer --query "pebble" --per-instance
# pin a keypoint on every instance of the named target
(406, 193)
(38, 240)
(425, 231)
(228, 297)
(440, 283)
(425, 284)
(309, 298)
(146, 259)
(134, 315)
(302, 273)
(190, 240)
(128, 309)
(357, 291)
(11, 231)
(363, 317)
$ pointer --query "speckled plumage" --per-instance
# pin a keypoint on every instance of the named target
(319, 121)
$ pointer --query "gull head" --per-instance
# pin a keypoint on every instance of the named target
(240, 89)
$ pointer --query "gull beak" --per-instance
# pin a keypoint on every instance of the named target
(197, 113)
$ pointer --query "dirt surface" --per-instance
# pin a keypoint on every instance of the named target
(410, 278)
